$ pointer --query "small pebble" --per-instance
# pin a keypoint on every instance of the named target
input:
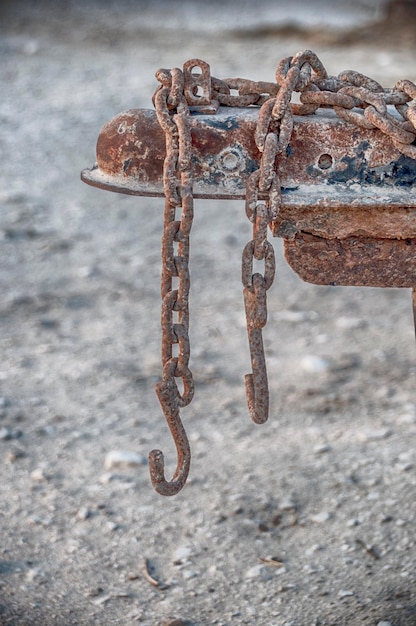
(181, 554)
(385, 392)
(106, 478)
(408, 417)
(34, 573)
(94, 592)
(123, 458)
(404, 467)
(353, 522)
(39, 521)
(14, 454)
(7, 433)
(39, 474)
(287, 505)
(314, 548)
(320, 518)
(374, 434)
(406, 457)
(261, 571)
(101, 599)
(83, 513)
(88, 271)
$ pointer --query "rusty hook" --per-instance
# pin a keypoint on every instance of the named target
(167, 393)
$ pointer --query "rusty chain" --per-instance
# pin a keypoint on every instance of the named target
(353, 96)
(350, 90)
(172, 113)
(272, 136)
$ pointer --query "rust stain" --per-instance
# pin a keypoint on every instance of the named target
(353, 261)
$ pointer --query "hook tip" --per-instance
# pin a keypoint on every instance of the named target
(157, 466)
(157, 475)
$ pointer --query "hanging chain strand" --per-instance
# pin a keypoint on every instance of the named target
(303, 73)
(272, 136)
(354, 97)
(255, 288)
(177, 180)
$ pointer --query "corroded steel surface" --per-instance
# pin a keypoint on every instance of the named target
(326, 154)
(353, 261)
(335, 219)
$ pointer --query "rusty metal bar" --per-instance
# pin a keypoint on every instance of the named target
(329, 162)
(348, 209)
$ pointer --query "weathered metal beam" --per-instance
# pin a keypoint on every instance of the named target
(348, 210)
(329, 160)
(353, 261)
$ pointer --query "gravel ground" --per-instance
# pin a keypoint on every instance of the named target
(305, 521)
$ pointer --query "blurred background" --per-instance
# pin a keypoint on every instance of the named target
(80, 354)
